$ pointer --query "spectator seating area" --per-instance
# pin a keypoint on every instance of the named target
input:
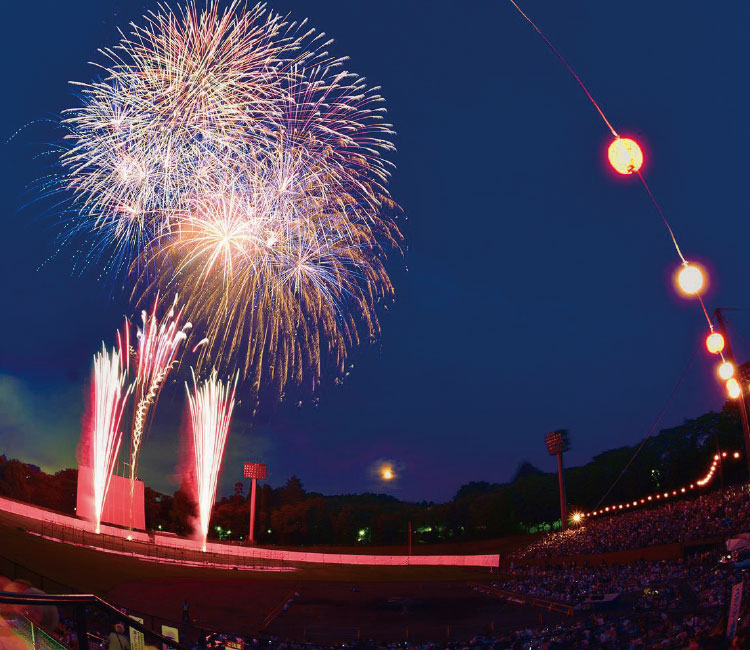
(670, 605)
(716, 514)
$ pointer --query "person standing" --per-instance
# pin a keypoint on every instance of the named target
(185, 611)
(117, 639)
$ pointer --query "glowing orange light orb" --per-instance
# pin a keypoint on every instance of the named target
(733, 388)
(726, 370)
(625, 156)
(387, 473)
(715, 343)
(690, 279)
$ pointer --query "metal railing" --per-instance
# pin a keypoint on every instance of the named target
(15, 571)
(79, 603)
(517, 596)
(34, 636)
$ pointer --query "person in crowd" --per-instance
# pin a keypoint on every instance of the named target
(117, 638)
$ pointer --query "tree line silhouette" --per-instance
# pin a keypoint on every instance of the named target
(291, 516)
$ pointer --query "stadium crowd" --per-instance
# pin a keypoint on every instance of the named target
(717, 514)
(575, 585)
(705, 631)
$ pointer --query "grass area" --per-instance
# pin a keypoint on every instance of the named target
(92, 571)
(233, 600)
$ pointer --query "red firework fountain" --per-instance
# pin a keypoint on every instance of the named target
(211, 405)
(110, 397)
(158, 343)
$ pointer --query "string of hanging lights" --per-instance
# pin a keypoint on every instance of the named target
(702, 482)
(626, 157)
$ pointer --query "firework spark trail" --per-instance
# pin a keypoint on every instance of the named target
(211, 404)
(225, 155)
(110, 398)
(284, 261)
(158, 344)
(180, 98)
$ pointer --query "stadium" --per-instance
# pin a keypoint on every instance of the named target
(392, 251)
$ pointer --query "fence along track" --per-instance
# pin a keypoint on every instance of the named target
(515, 596)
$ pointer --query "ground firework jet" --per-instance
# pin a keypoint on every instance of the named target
(109, 399)
(211, 404)
(158, 344)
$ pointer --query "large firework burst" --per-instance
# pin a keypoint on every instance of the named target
(226, 155)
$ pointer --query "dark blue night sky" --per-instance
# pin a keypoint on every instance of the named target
(538, 293)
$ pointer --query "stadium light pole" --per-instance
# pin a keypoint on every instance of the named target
(557, 443)
(729, 354)
(256, 472)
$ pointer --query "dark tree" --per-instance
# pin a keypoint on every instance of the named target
(293, 492)
(14, 480)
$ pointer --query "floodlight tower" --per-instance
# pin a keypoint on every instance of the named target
(557, 443)
(256, 472)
